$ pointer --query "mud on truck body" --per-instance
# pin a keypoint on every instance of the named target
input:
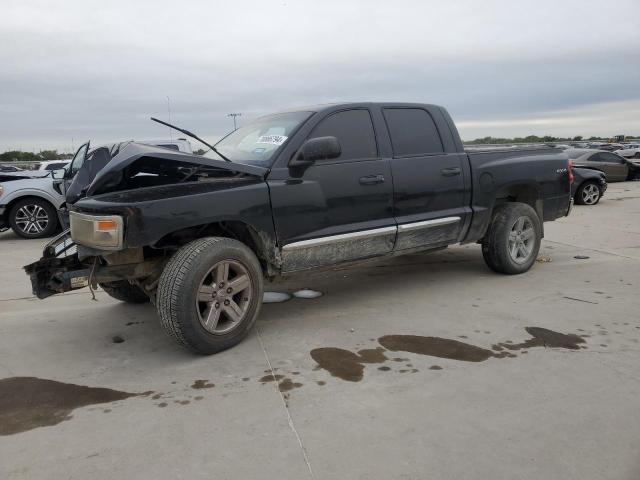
(305, 189)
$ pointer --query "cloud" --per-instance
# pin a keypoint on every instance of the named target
(98, 70)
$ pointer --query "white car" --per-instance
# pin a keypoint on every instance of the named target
(631, 150)
(30, 199)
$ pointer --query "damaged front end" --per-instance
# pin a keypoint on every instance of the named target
(62, 269)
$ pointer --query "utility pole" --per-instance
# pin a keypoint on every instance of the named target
(169, 110)
(234, 115)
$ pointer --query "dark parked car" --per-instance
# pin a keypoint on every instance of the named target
(616, 167)
(289, 192)
(588, 186)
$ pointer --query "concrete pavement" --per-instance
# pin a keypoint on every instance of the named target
(549, 413)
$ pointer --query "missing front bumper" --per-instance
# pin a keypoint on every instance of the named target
(61, 270)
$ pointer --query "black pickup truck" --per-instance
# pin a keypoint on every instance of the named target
(304, 189)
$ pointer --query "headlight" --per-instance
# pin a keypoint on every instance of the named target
(98, 231)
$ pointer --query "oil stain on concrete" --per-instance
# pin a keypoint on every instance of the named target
(345, 364)
(543, 337)
(349, 366)
(437, 347)
(199, 384)
(29, 402)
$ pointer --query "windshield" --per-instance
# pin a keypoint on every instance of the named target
(256, 142)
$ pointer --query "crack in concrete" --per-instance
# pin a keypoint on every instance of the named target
(286, 407)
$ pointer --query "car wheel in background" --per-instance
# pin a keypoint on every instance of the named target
(210, 294)
(588, 193)
(512, 241)
(33, 218)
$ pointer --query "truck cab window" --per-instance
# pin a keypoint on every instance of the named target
(412, 131)
(354, 131)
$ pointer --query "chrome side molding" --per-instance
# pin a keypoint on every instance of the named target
(361, 235)
(364, 234)
(408, 227)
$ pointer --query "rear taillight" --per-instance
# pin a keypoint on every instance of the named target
(570, 170)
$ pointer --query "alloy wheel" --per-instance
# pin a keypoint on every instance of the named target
(590, 194)
(522, 239)
(224, 297)
(31, 219)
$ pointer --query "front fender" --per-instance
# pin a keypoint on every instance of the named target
(152, 213)
(13, 195)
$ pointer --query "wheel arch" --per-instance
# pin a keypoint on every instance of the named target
(528, 193)
(13, 201)
(259, 242)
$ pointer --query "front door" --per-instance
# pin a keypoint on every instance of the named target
(74, 166)
(614, 166)
(429, 190)
(338, 210)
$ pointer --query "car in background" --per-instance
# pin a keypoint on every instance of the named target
(41, 169)
(631, 150)
(32, 201)
(617, 168)
(9, 168)
(588, 186)
(49, 165)
(609, 147)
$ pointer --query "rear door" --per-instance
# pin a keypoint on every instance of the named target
(429, 186)
(340, 209)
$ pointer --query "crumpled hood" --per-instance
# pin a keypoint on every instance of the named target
(104, 171)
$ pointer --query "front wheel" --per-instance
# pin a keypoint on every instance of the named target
(588, 193)
(33, 218)
(210, 294)
(512, 241)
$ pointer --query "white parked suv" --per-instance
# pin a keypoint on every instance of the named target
(631, 150)
(29, 204)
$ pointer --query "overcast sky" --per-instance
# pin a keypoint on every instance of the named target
(80, 69)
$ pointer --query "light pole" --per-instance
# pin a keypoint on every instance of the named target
(234, 115)
(169, 111)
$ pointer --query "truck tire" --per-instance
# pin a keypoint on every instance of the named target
(512, 241)
(33, 218)
(588, 193)
(210, 294)
(125, 292)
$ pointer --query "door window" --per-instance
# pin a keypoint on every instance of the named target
(354, 131)
(78, 160)
(413, 132)
(611, 158)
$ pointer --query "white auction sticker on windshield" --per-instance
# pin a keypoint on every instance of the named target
(272, 139)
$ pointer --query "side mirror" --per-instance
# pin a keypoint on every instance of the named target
(320, 148)
(58, 174)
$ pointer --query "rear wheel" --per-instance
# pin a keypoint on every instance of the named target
(512, 241)
(33, 218)
(588, 193)
(210, 294)
(125, 292)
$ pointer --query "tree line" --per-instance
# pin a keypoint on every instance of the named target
(532, 139)
(18, 156)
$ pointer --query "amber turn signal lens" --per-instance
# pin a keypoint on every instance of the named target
(106, 225)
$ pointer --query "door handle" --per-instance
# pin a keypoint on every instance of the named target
(450, 172)
(371, 179)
